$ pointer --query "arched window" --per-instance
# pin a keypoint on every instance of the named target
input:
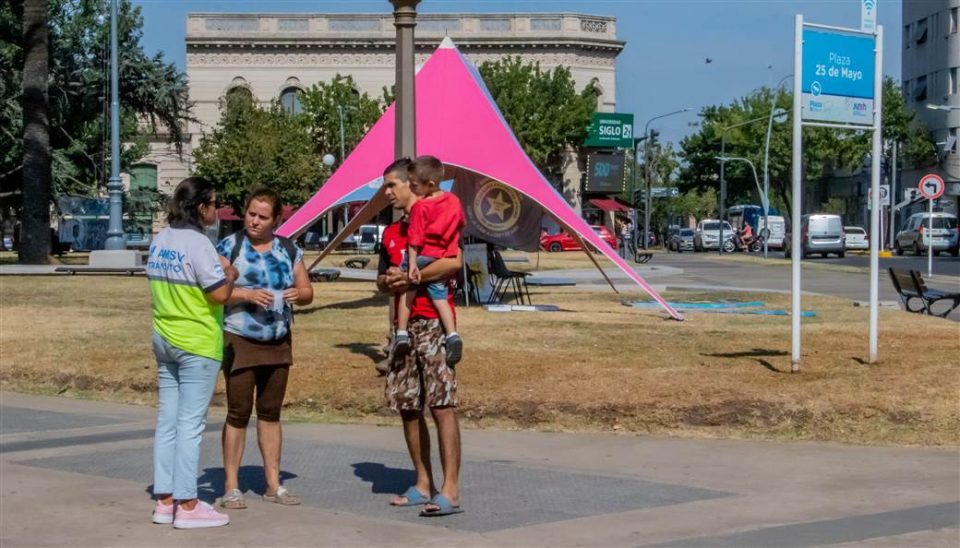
(290, 100)
(237, 95)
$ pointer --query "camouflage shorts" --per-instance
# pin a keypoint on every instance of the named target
(423, 379)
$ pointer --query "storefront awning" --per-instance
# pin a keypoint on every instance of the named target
(607, 204)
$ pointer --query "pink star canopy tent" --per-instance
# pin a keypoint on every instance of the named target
(458, 122)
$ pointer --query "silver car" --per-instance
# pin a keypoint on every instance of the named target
(819, 233)
(916, 234)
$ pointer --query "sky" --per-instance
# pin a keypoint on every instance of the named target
(661, 69)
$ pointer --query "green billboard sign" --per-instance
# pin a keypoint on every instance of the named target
(610, 130)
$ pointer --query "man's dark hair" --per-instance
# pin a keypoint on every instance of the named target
(183, 208)
(401, 167)
(426, 168)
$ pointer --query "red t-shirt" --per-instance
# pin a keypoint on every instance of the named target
(435, 225)
(392, 248)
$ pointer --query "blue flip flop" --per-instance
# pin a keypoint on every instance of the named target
(446, 508)
(414, 497)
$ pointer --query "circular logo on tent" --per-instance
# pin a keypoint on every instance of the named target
(496, 206)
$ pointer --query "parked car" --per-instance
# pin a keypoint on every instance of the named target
(370, 238)
(819, 233)
(707, 234)
(916, 234)
(856, 237)
(681, 240)
(778, 231)
(563, 242)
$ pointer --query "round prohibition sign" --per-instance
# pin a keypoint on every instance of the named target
(931, 186)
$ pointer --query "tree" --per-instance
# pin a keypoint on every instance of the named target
(824, 150)
(253, 146)
(153, 98)
(544, 109)
(323, 104)
(35, 231)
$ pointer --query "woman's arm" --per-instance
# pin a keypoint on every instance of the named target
(302, 291)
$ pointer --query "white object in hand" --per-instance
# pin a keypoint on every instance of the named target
(278, 302)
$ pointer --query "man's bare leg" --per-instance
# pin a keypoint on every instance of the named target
(418, 445)
(448, 434)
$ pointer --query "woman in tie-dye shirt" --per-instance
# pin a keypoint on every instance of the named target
(257, 341)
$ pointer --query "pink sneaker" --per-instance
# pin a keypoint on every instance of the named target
(203, 515)
(163, 513)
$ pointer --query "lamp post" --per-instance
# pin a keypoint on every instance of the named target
(766, 153)
(115, 239)
(648, 173)
(723, 180)
(405, 20)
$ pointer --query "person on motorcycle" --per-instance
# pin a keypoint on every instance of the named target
(746, 235)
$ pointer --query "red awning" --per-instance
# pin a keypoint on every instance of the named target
(607, 204)
(227, 214)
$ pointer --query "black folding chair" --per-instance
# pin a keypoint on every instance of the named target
(508, 279)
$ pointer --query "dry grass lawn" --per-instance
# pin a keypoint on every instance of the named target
(596, 365)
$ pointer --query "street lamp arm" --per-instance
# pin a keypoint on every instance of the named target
(756, 180)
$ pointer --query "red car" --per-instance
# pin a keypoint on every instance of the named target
(563, 241)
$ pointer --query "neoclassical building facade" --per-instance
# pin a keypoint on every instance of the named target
(272, 56)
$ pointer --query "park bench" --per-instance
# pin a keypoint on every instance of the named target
(357, 262)
(324, 274)
(910, 286)
(73, 270)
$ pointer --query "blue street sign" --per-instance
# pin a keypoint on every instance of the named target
(838, 77)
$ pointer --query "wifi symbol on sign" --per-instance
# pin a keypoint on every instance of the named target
(869, 4)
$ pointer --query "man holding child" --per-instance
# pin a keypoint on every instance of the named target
(423, 377)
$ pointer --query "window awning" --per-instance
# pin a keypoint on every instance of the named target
(607, 204)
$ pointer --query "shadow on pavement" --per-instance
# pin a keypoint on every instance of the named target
(383, 478)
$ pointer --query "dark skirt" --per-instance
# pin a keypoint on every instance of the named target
(241, 352)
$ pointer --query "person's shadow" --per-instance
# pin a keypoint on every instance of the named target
(384, 479)
(210, 484)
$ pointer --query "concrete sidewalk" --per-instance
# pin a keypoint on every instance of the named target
(78, 473)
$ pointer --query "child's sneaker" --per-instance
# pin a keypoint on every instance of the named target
(401, 346)
(203, 515)
(454, 350)
(163, 513)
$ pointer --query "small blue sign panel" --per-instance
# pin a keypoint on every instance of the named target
(838, 77)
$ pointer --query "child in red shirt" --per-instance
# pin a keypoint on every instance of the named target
(436, 220)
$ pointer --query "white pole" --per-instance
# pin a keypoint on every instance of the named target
(875, 235)
(893, 194)
(796, 250)
(930, 239)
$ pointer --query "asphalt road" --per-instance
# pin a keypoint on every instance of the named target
(709, 270)
(944, 265)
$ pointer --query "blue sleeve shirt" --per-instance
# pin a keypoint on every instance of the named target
(271, 270)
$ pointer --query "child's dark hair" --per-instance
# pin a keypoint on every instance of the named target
(426, 168)
(183, 207)
(401, 167)
(265, 194)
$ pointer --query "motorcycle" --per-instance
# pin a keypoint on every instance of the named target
(753, 245)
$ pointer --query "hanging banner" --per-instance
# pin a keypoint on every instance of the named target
(497, 213)
(838, 77)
